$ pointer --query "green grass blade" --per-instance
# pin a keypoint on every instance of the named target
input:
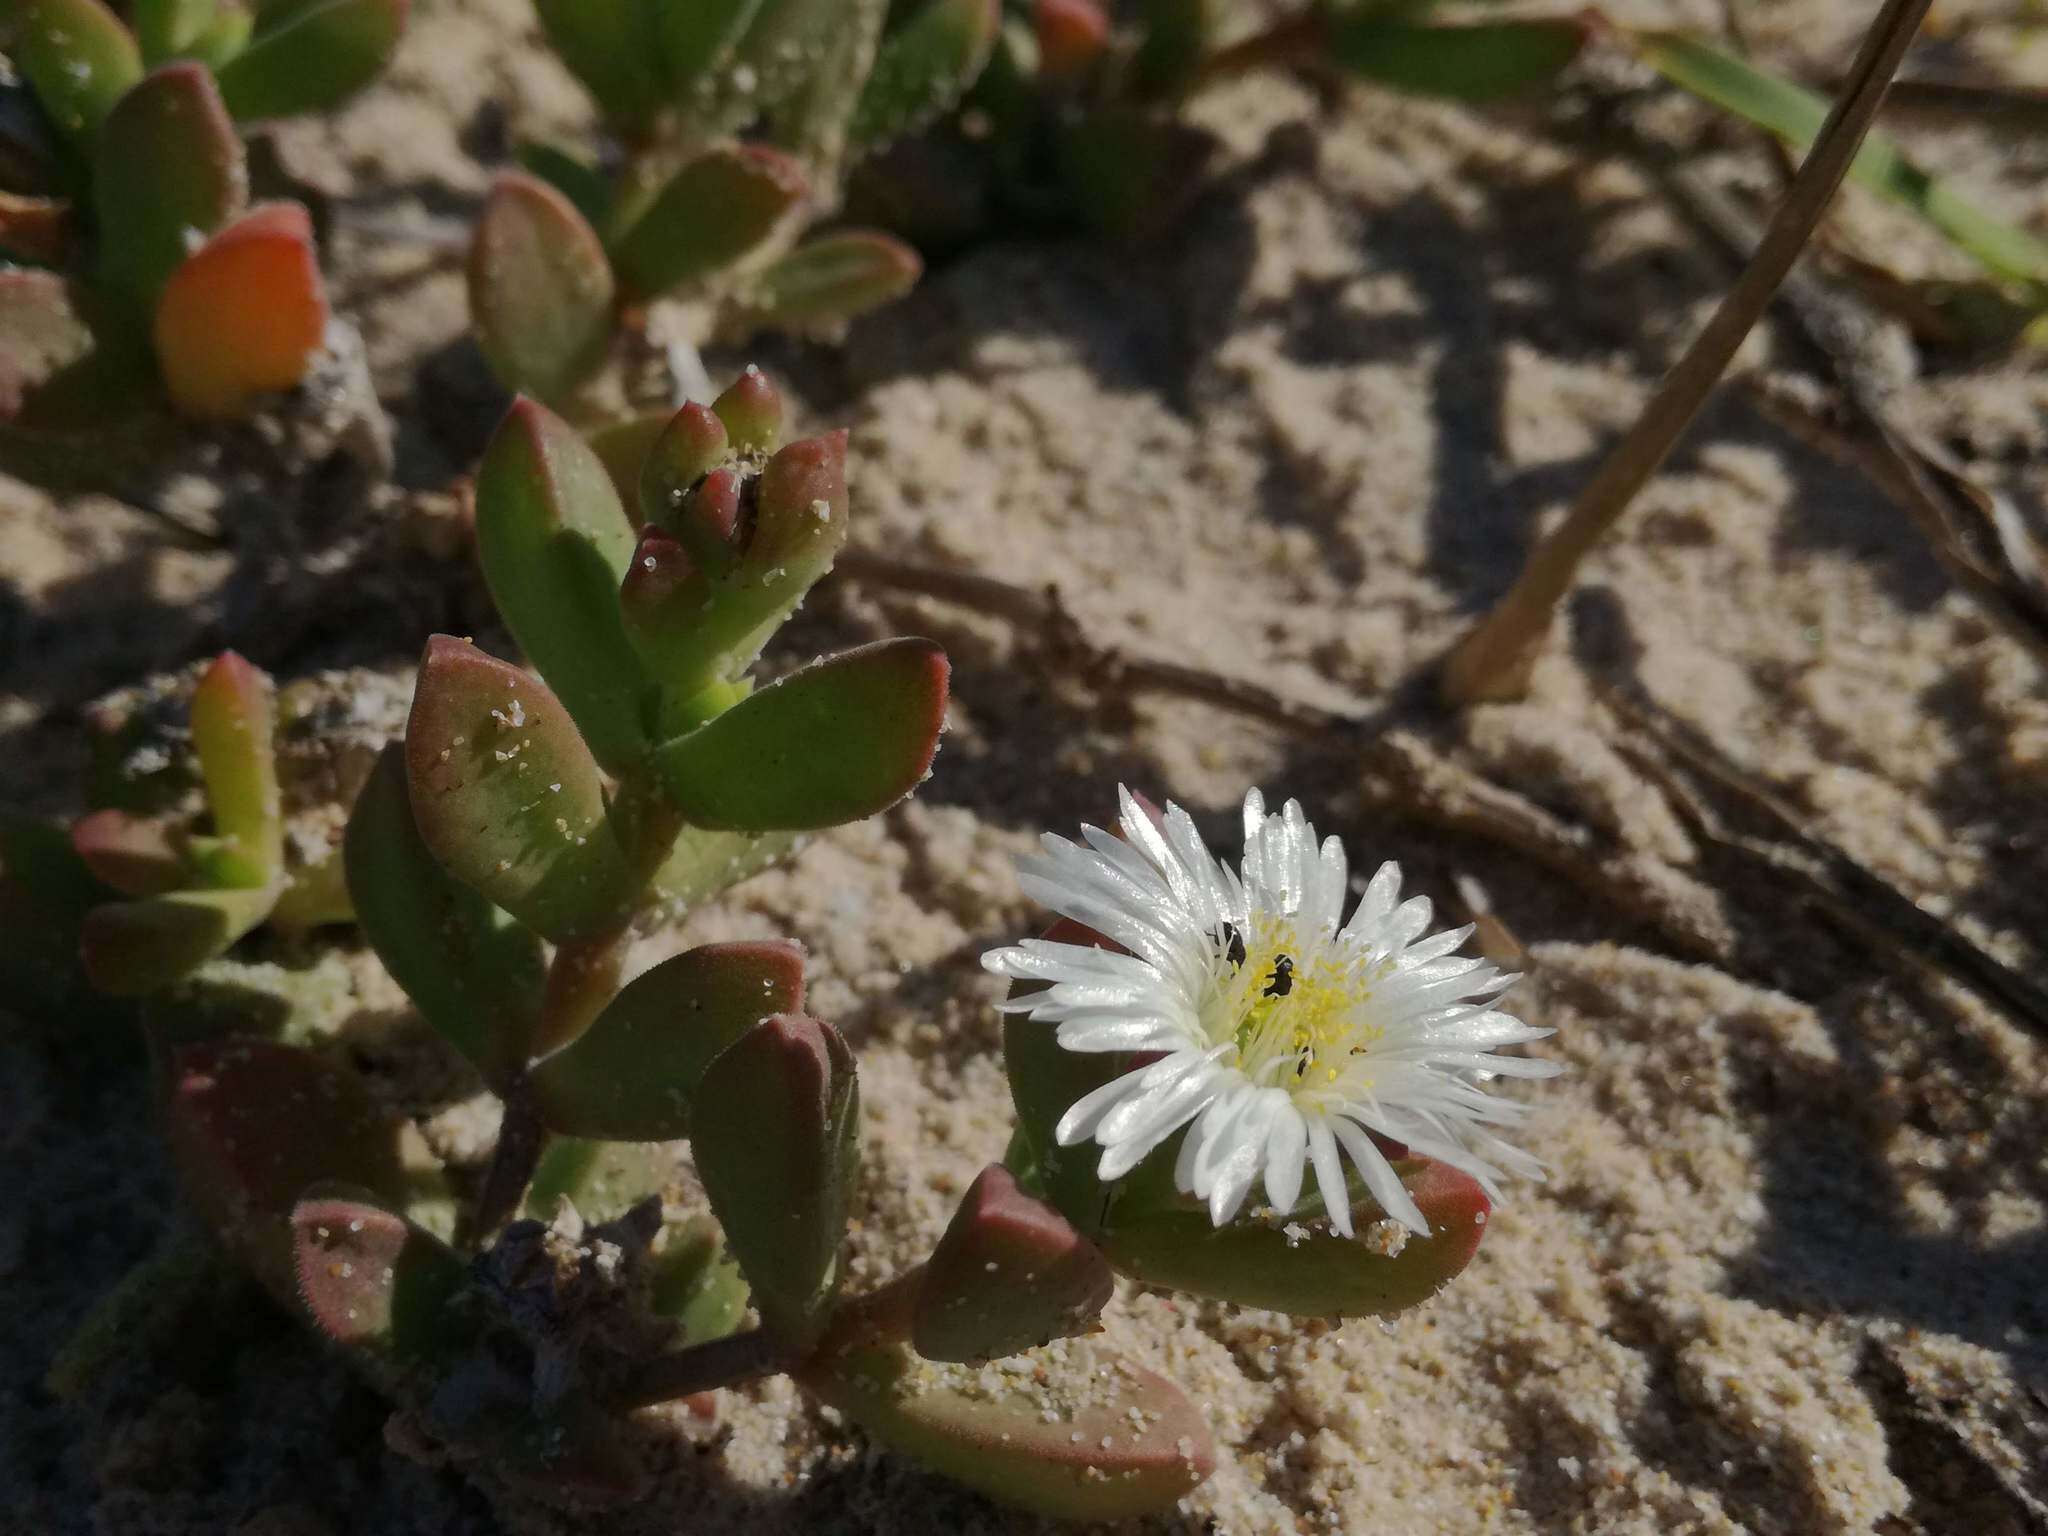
(1795, 114)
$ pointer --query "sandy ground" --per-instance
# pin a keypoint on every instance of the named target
(1786, 1276)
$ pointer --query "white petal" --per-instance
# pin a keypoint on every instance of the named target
(1322, 1149)
(1086, 1112)
(1380, 1179)
(1286, 1154)
(1126, 1155)
(1375, 904)
(1235, 1172)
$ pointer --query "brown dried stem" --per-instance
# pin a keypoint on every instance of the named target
(1494, 660)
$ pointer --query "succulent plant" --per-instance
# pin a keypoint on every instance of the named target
(1078, 115)
(728, 129)
(130, 902)
(500, 859)
(138, 283)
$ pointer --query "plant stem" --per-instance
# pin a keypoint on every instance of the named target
(521, 1138)
(1494, 660)
(726, 1362)
(582, 978)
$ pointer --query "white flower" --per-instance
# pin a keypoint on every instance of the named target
(1281, 1037)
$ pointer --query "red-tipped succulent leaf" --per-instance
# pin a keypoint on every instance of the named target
(1010, 1273)
(839, 740)
(506, 795)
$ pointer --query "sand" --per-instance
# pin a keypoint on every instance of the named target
(1786, 1273)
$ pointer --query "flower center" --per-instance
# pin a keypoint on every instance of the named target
(1290, 1004)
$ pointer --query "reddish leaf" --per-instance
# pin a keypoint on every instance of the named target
(1011, 1273)
(1071, 36)
(751, 408)
(133, 854)
(244, 315)
(689, 447)
(776, 1132)
(253, 1125)
(704, 620)
(36, 229)
(372, 1281)
(1074, 1431)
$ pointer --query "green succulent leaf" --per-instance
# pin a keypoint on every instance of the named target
(227, 36)
(131, 948)
(375, 1283)
(78, 59)
(507, 797)
(633, 1075)
(1177, 36)
(698, 36)
(168, 165)
(1127, 171)
(253, 1125)
(602, 1179)
(687, 448)
(615, 47)
(837, 741)
(135, 855)
(555, 545)
(622, 447)
(1046, 1081)
(828, 281)
(751, 408)
(704, 862)
(540, 289)
(710, 216)
(924, 67)
(309, 55)
(1479, 61)
(1795, 115)
(585, 186)
(1075, 1431)
(696, 1282)
(776, 1131)
(46, 889)
(167, 29)
(43, 860)
(474, 974)
(790, 44)
(1010, 1274)
(703, 619)
(1297, 1264)
(233, 722)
